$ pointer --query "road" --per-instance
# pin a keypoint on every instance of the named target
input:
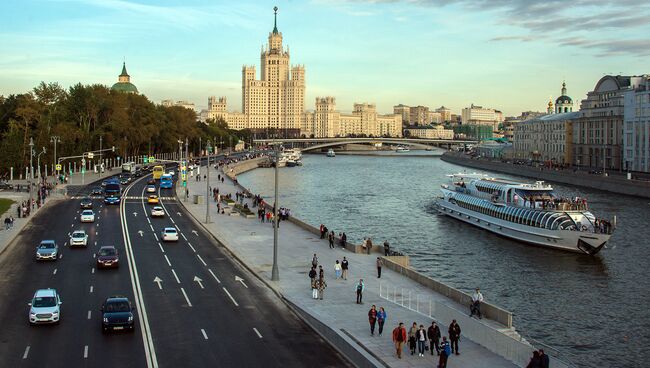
(205, 310)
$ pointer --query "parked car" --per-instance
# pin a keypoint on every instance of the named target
(87, 216)
(45, 307)
(79, 238)
(157, 211)
(47, 250)
(169, 234)
(107, 257)
(117, 314)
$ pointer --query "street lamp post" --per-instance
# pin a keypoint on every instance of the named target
(184, 168)
(275, 273)
(38, 163)
(55, 139)
(101, 164)
(207, 185)
(31, 170)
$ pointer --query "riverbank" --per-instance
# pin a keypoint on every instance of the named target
(613, 183)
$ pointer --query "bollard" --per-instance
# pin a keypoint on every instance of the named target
(75, 166)
(11, 173)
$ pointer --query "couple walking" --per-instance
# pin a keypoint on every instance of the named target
(376, 317)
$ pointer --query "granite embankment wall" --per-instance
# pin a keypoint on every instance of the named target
(615, 183)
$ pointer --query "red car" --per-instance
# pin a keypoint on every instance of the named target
(107, 257)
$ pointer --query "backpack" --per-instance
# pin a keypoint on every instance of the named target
(447, 349)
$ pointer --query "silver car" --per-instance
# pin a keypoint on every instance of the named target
(45, 307)
(47, 250)
(79, 238)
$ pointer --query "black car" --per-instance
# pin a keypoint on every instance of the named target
(86, 203)
(117, 314)
(97, 191)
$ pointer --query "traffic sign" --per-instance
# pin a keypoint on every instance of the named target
(58, 167)
(91, 155)
(152, 159)
(145, 159)
(184, 183)
(183, 177)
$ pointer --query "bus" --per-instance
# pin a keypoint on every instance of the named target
(128, 167)
(158, 171)
(166, 181)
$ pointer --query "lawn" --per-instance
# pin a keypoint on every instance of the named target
(5, 204)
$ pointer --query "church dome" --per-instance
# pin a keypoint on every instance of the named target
(563, 100)
(126, 87)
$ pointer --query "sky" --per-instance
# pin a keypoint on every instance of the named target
(511, 55)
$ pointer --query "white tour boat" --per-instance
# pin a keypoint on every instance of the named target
(402, 149)
(330, 153)
(530, 213)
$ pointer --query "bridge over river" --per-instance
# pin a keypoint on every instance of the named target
(315, 144)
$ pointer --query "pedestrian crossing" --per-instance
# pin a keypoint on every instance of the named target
(124, 197)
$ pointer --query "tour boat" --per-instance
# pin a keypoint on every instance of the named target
(529, 213)
(402, 149)
(330, 153)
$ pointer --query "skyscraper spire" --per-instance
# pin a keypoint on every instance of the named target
(275, 20)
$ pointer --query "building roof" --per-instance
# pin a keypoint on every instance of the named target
(275, 21)
(127, 87)
(124, 73)
(563, 99)
(553, 117)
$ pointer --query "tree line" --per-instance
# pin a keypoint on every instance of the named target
(82, 114)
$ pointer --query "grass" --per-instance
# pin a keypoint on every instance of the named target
(241, 209)
(5, 204)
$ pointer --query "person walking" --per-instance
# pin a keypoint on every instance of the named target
(433, 333)
(477, 300)
(386, 248)
(321, 287)
(534, 362)
(381, 319)
(413, 337)
(321, 272)
(543, 359)
(330, 239)
(359, 289)
(312, 276)
(369, 245)
(379, 264)
(344, 268)
(422, 340)
(399, 337)
(344, 239)
(322, 233)
(314, 289)
(372, 318)
(454, 336)
(337, 269)
(445, 352)
(314, 261)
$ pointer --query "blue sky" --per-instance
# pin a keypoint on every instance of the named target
(507, 54)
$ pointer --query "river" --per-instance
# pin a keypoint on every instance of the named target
(592, 308)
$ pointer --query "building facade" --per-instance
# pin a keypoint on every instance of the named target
(545, 138)
(477, 115)
(185, 104)
(563, 103)
(404, 111)
(430, 132)
(471, 131)
(445, 114)
(636, 127)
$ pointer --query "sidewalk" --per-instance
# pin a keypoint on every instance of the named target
(252, 242)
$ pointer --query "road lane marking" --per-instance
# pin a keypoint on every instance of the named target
(257, 332)
(96, 233)
(89, 314)
(161, 248)
(60, 255)
(177, 228)
(230, 296)
(172, 220)
(201, 259)
(199, 281)
(189, 304)
(26, 353)
(149, 221)
(213, 275)
(91, 288)
(156, 236)
(95, 243)
(167, 259)
(183, 235)
(86, 352)
(151, 226)
(193, 250)
(205, 336)
(72, 225)
(54, 273)
(176, 277)
(92, 270)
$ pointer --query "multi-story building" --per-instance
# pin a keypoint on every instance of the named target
(545, 138)
(598, 133)
(477, 115)
(445, 114)
(472, 131)
(509, 123)
(430, 132)
(405, 111)
(435, 117)
(636, 127)
(419, 115)
(185, 104)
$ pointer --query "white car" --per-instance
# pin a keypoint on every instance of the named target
(157, 211)
(79, 237)
(45, 307)
(88, 216)
(151, 188)
(169, 234)
(171, 172)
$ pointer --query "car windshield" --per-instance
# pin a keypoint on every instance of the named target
(120, 306)
(86, 199)
(157, 208)
(107, 252)
(78, 234)
(170, 231)
(46, 246)
(44, 301)
(87, 213)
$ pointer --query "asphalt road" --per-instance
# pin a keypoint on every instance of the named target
(206, 311)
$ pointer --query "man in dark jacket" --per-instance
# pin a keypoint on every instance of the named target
(312, 276)
(454, 336)
(543, 359)
(433, 334)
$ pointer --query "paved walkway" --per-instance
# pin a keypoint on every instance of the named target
(252, 242)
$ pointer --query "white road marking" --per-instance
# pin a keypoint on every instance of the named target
(172, 220)
(60, 256)
(158, 281)
(95, 243)
(176, 277)
(54, 272)
(161, 248)
(213, 275)
(230, 296)
(155, 236)
(151, 226)
(239, 279)
(26, 353)
(97, 224)
(167, 259)
(72, 225)
(149, 221)
(96, 233)
(183, 235)
(205, 336)
(89, 314)
(257, 332)
(193, 250)
(189, 304)
(85, 351)
(92, 270)
(75, 218)
(201, 259)
(91, 288)
(177, 228)
(199, 281)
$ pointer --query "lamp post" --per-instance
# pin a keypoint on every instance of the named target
(184, 168)
(207, 185)
(38, 163)
(31, 170)
(55, 139)
(101, 165)
(275, 273)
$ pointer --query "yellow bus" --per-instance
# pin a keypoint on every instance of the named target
(158, 171)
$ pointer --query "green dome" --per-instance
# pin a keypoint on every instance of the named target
(126, 87)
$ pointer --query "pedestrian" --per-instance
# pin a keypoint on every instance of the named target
(314, 261)
(312, 276)
(379, 264)
(321, 272)
(359, 289)
(386, 248)
(454, 336)
(413, 337)
(364, 244)
(543, 359)
(322, 231)
(369, 244)
(534, 361)
(7, 221)
(337, 269)
(314, 289)
(445, 352)
(344, 239)
(381, 319)
(475, 308)
(422, 340)
(321, 287)
(433, 333)
(344, 268)
(330, 238)
(399, 337)
(372, 318)
(222, 180)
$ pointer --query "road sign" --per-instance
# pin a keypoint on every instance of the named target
(58, 167)
(91, 155)
(152, 159)
(145, 160)
(83, 162)
(118, 158)
(184, 183)
(183, 177)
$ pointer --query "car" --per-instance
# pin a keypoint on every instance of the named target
(138, 173)
(117, 314)
(79, 238)
(86, 203)
(97, 190)
(153, 199)
(5, 185)
(87, 216)
(47, 250)
(157, 211)
(45, 307)
(151, 188)
(107, 257)
(171, 172)
(151, 182)
(104, 183)
(112, 199)
(125, 181)
(169, 234)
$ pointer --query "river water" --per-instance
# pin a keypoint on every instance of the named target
(595, 309)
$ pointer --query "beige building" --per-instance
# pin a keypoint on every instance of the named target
(404, 111)
(419, 115)
(185, 104)
(545, 138)
(445, 114)
(636, 124)
(478, 115)
(430, 132)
